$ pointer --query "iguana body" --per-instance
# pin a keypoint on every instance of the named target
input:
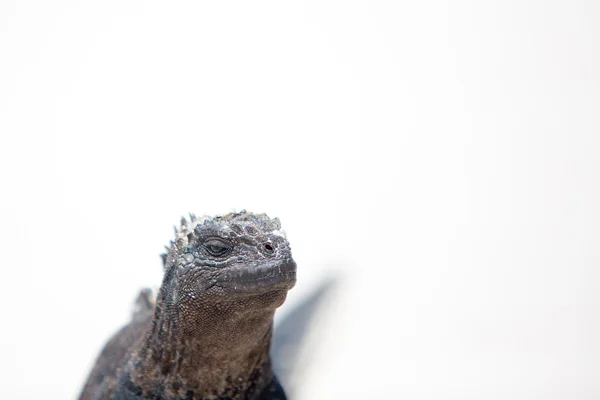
(207, 335)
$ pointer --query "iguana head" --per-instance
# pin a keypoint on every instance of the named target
(212, 320)
(234, 255)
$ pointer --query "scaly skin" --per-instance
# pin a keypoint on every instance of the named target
(207, 335)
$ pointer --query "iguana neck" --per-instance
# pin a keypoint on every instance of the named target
(211, 349)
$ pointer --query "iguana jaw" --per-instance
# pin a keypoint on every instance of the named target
(260, 278)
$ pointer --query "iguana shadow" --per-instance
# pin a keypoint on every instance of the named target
(291, 333)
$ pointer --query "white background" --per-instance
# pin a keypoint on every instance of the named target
(441, 159)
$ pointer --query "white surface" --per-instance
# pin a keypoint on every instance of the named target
(442, 156)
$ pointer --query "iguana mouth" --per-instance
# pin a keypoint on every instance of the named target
(261, 278)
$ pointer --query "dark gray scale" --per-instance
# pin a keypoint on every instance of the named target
(208, 332)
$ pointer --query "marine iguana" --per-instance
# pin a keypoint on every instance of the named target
(207, 335)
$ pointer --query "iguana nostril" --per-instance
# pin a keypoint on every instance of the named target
(269, 248)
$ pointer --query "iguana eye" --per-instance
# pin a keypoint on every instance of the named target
(216, 247)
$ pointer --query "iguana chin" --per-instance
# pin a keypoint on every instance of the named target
(207, 335)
